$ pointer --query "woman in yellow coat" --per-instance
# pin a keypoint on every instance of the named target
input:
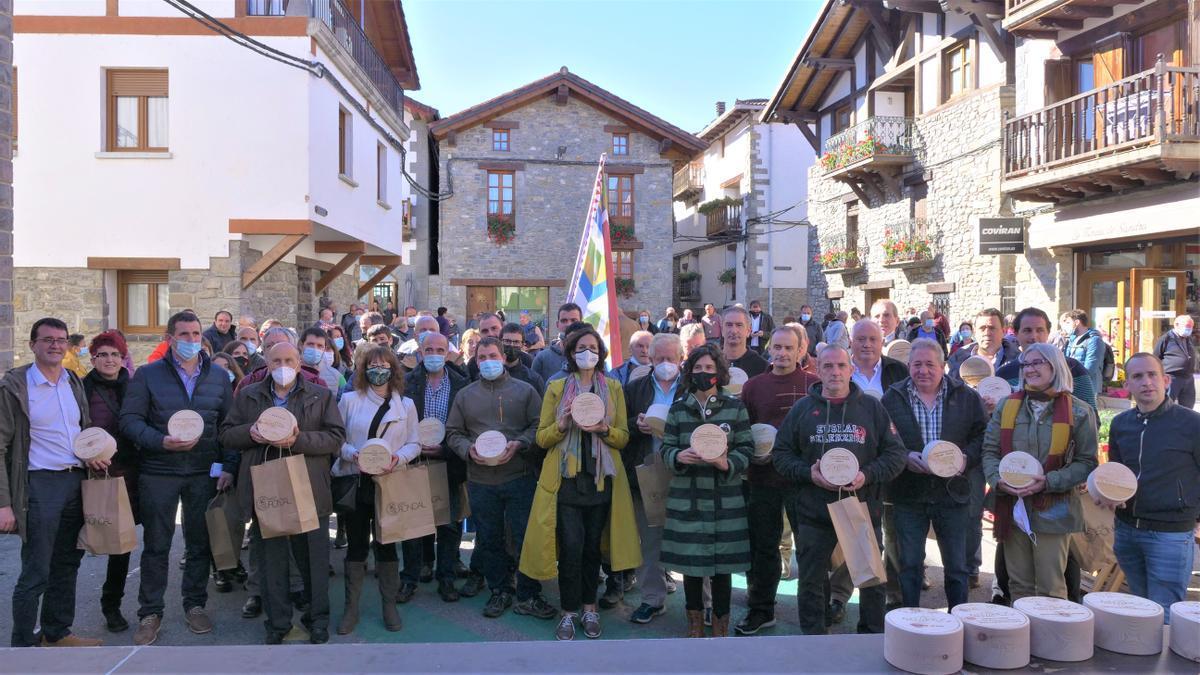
(583, 494)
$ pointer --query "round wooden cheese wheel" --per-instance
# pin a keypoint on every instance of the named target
(656, 418)
(639, 372)
(994, 389)
(839, 466)
(944, 458)
(710, 441)
(899, 350)
(186, 425)
(1126, 624)
(1114, 481)
(374, 457)
(94, 443)
(994, 636)
(276, 423)
(1059, 630)
(587, 409)
(1185, 629)
(820, 346)
(974, 368)
(764, 438)
(1018, 469)
(490, 446)
(737, 379)
(409, 361)
(431, 431)
(923, 641)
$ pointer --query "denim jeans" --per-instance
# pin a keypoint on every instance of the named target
(1157, 565)
(159, 498)
(814, 545)
(950, 526)
(49, 558)
(492, 506)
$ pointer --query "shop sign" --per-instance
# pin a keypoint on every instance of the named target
(1002, 235)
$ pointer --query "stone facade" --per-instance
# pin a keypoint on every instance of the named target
(6, 193)
(552, 190)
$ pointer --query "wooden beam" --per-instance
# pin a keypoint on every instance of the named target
(664, 145)
(988, 30)
(333, 273)
(313, 263)
(881, 31)
(1055, 22)
(379, 276)
(150, 264)
(381, 260)
(1113, 180)
(828, 64)
(265, 263)
(809, 136)
(1086, 11)
(259, 226)
(1036, 34)
(1148, 176)
(916, 6)
(1088, 189)
(862, 196)
(562, 94)
(358, 247)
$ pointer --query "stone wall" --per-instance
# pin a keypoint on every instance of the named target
(7, 315)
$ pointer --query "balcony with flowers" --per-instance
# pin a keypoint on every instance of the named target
(909, 244)
(875, 142)
(839, 257)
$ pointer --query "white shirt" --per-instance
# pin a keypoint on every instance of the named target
(398, 427)
(53, 421)
(872, 385)
(755, 322)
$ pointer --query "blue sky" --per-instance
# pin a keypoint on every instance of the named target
(675, 58)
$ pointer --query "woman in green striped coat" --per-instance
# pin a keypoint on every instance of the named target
(707, 534)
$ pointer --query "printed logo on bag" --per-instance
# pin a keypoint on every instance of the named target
(272, 502)
(839, 433)
(396, 508)
(92, 519)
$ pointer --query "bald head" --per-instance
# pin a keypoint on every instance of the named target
(281, 349)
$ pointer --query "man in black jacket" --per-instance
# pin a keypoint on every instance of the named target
(221, 332)
(432, 387)
(175, 470)
(1174, 349)
(834, 414)
(929, 407)
(762, 326)
(813, 327)
(1159, 441)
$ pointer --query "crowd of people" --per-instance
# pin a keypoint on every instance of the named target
(563, 501)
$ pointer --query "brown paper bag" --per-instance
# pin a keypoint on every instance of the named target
(654, 482)
(439, 493)
(225, 530)
(283, 498)
(856, 537)
(1093, 547)
(464, 502)
(108, 527)
(403, 505)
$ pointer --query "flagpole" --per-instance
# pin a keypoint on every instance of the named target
(614, 319)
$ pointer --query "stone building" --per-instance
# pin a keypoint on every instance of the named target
(740, 211)
(7, 134)
(201, 174)
(518, 172)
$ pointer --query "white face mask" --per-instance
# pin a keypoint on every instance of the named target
(283, 375)
(327, 359)
(586, 359)
(666, 371)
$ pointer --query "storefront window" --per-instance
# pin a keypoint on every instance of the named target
(1115, 260)
(514, 299)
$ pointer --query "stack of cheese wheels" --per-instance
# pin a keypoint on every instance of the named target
(994, 389)
(93, 444)
(490, 446)
(639, 372)
(275, 424)
(737, 379)
(974, 369)
(431, 432)
(1059, 630)
(1018, 469)
(709, 441)
(1114, 481)
(374, 457)
(943, 458)
(187, 425)
(1126, 624)
(994, 636)
(764, 438)
(656, 418)
(899, 350)
(839, 466)
(1185, 629)
(587, 409)
(923, 641)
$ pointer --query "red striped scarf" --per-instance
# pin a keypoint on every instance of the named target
(1060, 440)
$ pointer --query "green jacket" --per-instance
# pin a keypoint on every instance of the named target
(1033, 436)
(707, 531)
(14, 438)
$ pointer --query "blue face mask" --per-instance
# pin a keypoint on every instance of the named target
(83, 351)
(491, 370)
(964, 334)
(434, 362)
(1184, 332)
(230, 374)
(250, 346)
(805, 317)
(312, 356)
(338, 343)
(187, 351)
(928, 324)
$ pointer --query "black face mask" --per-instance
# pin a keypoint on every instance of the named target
(703, 381)
(242, 362)
(511, 354)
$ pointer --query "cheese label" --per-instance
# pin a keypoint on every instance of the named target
(925, 621)
(987, 615)
(1186, 609)
(587, 409)
(431, 432)
(490, 444)
(374, 457)
(1053, 609)
(944, 458)
(839, 466)
(275, 423)
(1113, 481)
(709, 441)
(94, 443)
(187, 425)
(899, 350)
(1123, 604)
(1018, 468)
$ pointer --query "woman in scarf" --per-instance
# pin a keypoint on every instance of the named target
(1035, 522)
(707, 534)
(582, 489)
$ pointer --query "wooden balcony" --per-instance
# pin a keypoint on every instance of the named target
(724, 221)
(1142, 130)
(870, 155)
(688, 182)
(1044, 18)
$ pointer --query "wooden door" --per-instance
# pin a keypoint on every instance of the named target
(480, 299)
(1156, 297)
(1108, 66)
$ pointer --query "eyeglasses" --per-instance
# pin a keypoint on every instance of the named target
(1032, 364)
(49, 341)
(106, 355)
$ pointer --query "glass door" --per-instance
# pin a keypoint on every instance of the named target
(1155, 298)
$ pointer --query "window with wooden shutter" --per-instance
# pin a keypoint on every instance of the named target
(143, 301)
(137, 110)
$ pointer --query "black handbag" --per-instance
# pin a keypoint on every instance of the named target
(345, 488)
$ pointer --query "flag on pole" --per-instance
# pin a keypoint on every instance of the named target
(592, 286)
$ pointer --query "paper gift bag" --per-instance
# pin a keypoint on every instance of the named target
(439, 493)
(283, 498)
(654, 481)
(1093, 547)
(108, 527)
(225, 530)
(856, 538)
(403, 505)
(464, 502)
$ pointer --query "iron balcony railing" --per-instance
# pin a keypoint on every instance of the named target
(875, 136)
(839, 253)
(909, 241)
(350, 35)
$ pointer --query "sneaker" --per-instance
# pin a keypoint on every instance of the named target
(566, 627)
(670, 581)
(708, 616)
(755, 621)
(252, 608)
(835, 613)
(591, 625)
(114, 621)
(318, 636)
(406, 593)
(536, 607)
(496, 604)
(1000, 600)
(198, 621)
(645, 613)
(72, 640)
(223, 583)
(630, 581)
(474, 586)
(147, 630)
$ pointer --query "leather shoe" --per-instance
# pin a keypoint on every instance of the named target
(114, 621)
(197, 621)
(406, 593)
(252, 608)
(318, 636)
(447, 590)
(475, 584)
(426, 575)
(147, 630)
(72, 640)
(274, 638)
(223, 584)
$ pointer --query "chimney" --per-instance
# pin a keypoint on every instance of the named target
(720, 108)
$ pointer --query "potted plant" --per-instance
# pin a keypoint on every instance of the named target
(719, 203)
(689, 276)
(834, 259)
(501, 230)
(900, 247)
(728, 276)
(625, 287)
(621, 232)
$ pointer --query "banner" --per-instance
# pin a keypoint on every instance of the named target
(592, 286)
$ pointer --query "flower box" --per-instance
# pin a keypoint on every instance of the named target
(501, 230)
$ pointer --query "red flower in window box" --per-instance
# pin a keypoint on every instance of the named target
(621, 232)
(501, 230)
(625, 287)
